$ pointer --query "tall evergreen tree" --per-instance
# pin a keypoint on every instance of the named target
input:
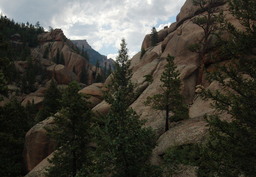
(170, 100)
(28, 79)
(51, 102)
(3, 87)
(124, 145)
(57, 57)
(62, 60)
(71, 132)
(230, 151)
(84, 76)
(98, 76)
(14, 123)
(46, 52)
(109, 70)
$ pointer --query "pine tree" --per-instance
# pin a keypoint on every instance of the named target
(28, 79)
(51, 102)
(154, 37)
(3, 87)
(14, 123)
(46, 52)
(170, 100)
(62, 60)
(209, 22)
(109, 71)
(57, 57)
(142, 52)
(230, 151)
(98, 76)
(124, 145)
(71, 132)
(84, 76)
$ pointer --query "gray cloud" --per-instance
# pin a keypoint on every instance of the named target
(101, 22)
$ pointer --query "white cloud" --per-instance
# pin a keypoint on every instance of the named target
(102, 22)
(113, 55)
(161, 26)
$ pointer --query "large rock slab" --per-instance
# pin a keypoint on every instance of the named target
(186, 132)
(55, 35)
(37, 144)
(154, 119)
(95, 93)
(102, 108)
(92, 90)
(61, 74)
(202, 107)
(40, 169)
(37, 100)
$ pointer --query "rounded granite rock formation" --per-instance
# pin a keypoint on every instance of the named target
(37, 144)
(61, 74)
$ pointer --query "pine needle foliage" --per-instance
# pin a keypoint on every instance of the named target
(170, 99)
(124, 144)
(71, 132)
(230, 151)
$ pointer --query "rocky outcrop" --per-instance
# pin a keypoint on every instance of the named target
(185, 132)
(61, 74)
(40, 169)
(94, 92)
(102, 108)
(54, 35)
(35, 98)
(56, 48)
(37, 144)
(20, 66)
(174, 40)
(161, 36)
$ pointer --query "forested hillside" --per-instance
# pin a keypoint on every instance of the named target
(31, 62)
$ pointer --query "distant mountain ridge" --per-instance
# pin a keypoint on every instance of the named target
(93, 55)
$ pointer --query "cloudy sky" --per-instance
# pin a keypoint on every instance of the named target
(102, 22)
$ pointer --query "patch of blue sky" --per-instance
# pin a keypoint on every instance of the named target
(170, 20)
(107, 49)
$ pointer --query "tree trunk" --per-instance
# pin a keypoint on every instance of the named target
(200, 73)
(166, 118)
(74, 164)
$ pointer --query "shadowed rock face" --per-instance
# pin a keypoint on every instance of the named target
(37, 144)
(62, 74)
(40, 169)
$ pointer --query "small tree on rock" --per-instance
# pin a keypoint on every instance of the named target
(154, 37)
(209, 22)
(170, 100)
